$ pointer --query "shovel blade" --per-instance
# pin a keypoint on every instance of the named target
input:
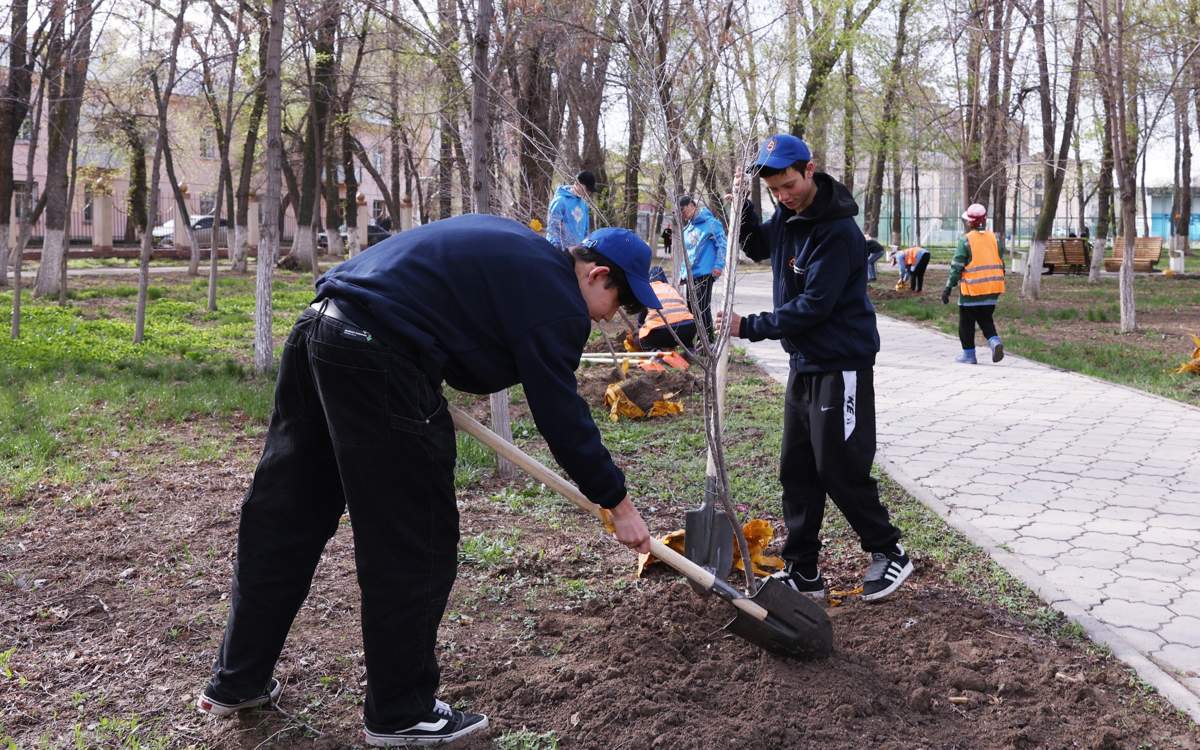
(796, 626)
(708, 534)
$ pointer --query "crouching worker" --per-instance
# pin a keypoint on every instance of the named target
(653, 333)
(912, 262)
(481, 303)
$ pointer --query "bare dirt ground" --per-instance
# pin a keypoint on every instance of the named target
(114, 608)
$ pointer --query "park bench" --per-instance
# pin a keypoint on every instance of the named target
(1068, 255)
(1147, 251)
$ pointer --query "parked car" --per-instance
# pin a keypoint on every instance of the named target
(375, 233)
(164, 234)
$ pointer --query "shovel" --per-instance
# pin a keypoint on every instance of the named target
(776, 618)
(708, 539)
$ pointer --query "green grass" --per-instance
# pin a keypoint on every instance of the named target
(79, 393)
(527, 740)
(488, 550)
(1036, 329)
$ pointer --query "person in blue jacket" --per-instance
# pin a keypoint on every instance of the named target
(704, 241)
(826, 323)
(569, 218)
(360, 422)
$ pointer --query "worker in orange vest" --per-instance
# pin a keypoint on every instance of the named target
(912, 262)
(653, 332)
(979, 273)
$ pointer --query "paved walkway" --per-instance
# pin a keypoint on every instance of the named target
(1088, 492)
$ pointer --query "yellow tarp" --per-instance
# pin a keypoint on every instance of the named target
(759, 535)
(1192, 367)
(620, 406)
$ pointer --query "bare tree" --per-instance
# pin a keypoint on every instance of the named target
(14, 108)
(1122, 108)
(268, 246)
(69, 55)
(162, 98)
(1054, 169)
(888, 132)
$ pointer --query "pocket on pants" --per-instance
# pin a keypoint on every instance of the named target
(354, 399)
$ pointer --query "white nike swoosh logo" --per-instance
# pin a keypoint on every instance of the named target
(826, 408)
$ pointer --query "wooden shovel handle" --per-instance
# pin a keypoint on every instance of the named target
(505, 449)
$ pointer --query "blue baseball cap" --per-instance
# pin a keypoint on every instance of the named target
(781, 151)
(632, 255)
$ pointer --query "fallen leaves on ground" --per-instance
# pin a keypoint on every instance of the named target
(1192, 367)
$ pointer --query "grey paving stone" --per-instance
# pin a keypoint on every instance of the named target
(1043, 530)
(1075, 505)
(1127, 514)
(1130, 589)
(1131, 614)
(1099, 558)
(1154, 570)
(1182, 658)
(1179, 537)
(1143, 640)
(1174, 506)
(1055, 514)
(991, 521)
(1096, 540)
(1187, 605)
(1172, 521)
(969, 500)
(1165, 552)
(1115, 526)
(1030, 546)
(1183, 630)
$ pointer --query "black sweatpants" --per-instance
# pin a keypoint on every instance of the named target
(702, 310)
(916, 279)
(968, 316)
(354, 425)
(661, 338)
(828, 448)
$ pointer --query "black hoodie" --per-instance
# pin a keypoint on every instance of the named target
(822, 315)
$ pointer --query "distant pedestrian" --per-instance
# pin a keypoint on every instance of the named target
(978, 270)
(875, 251)
(704, 241)
(912, 263)
(569, 218)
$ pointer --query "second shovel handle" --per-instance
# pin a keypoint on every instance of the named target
(505, 449)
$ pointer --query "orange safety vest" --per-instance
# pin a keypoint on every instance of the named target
(985, 273)
(910, 256)
(674, 309)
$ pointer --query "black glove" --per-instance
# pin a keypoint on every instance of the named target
(946, 296)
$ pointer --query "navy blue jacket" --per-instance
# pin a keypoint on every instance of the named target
(822, 314)
(484, 303)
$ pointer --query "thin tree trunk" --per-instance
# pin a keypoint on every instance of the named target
(268, 246)
(1055, 169)
(68, 77)
(14, 106)
(241, 234)
(887, 127)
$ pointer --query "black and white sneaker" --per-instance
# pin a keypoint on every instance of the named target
(206, 704)
(813, 588)
(888, 570)
(443, 725)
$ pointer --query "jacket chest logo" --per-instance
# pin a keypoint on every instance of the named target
(577, 213)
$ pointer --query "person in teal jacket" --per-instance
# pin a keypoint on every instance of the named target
(704, 241)
(569, 219)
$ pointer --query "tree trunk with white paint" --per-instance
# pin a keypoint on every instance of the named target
(268, 246)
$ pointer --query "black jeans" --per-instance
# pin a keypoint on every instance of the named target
(702, 311)
(968, 316)
(828, 448)
(661, 338)
(916, 278)
(353, 424)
